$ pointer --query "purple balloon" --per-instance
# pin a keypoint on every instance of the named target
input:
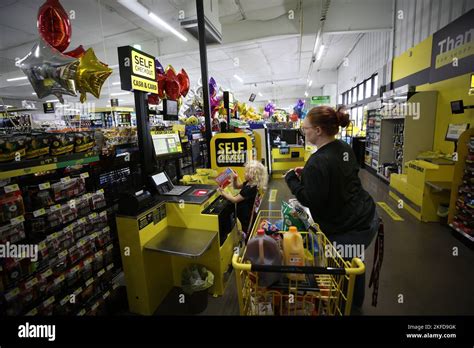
(212, 87)
(159, 68)
(270, 108)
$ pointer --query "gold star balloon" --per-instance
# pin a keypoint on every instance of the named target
(90, 75)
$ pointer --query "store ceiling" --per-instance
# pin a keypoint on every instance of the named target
(268, 50)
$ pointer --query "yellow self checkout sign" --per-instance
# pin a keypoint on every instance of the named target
(137, 70)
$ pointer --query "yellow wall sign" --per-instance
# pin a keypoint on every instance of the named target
(231, 150)
(144, 85)
(143, 65)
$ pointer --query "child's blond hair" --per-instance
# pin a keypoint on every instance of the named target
(257, 174)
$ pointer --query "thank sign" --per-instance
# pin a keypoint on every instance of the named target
(137, 70)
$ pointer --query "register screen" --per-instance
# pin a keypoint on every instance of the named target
(166, 143)
(159, 179)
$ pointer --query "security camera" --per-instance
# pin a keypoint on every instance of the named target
(314, 59)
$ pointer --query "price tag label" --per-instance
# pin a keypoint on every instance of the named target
(68, 228)
(64, 301)
(17, 220)
(31, 283)
(55, 235)
(75, 269)
(82, 242)
(110, 247)
(93, 216)
(94, 307)
(63, 254)
(82, 312)
(85, 175)
(106, 229)
(47, 274)
(39, 212)
(48, 301)
(109, 267)
(103, 213)
(114, 286)
(101, 191)
(100, 273)
(11, 188)
(65, 180)
(12, 294)
(55, 207)
(59, 279)
(90, 281)
(99, 253)
(31, 313)
(82, 220)
(94, 235)
(44, 186)
(78, 291)
(107, 294)
(42, 245)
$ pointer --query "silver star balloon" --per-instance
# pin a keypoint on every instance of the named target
(49, 71)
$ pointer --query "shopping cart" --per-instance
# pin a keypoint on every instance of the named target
(327, 289)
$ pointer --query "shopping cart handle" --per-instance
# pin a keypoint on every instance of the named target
(357, 267)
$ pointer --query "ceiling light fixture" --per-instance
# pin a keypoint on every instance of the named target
(17, 78)
(34, 93)
(52, 101)
(119, 93)
(138, 47)
(260, 94)
(237, 77)
(150, 17)
(6, 106)
(320, 52)
(116, 83)
(305, 94)
(310, 83)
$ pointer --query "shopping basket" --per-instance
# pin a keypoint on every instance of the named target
(327, 289)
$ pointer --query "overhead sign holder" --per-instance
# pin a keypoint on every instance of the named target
(137, 74)
(321, 100)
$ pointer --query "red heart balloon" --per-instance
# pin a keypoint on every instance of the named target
(172, 89)
(76, 53)
(153, 99)
(294, 117)
(183, 80)
(161, 79)
(54, 25)
(170, 73)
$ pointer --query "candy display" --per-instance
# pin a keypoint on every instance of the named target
(11, 206)
(12, 148)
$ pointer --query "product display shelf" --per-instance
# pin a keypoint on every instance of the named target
(14, 169)
(372, 147)
(461, 208)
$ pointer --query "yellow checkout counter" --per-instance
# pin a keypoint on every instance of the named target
(422, 187)
(172, 233)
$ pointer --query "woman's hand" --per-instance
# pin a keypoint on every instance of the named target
(298, 171)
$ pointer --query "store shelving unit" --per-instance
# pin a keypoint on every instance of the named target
(400, 139)
(461, 207)
(372, 144)
(72, 224)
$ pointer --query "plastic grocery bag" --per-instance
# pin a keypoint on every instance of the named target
(196, 278)
(291, 217)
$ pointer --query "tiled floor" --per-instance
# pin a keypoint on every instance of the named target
(419, 267)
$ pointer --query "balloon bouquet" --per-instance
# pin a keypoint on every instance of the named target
(171, 85)
(50, 70)
(298, 111)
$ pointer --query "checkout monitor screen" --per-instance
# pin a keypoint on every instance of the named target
(166, 143)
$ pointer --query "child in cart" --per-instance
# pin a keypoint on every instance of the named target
(256, 180)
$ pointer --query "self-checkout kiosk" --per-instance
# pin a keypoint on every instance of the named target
(163, 228)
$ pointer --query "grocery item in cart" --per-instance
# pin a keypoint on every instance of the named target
(293, 252)
(264, 250)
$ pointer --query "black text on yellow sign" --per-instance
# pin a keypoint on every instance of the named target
(143, 65)
(139, 84)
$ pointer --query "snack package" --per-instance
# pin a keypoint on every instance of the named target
(68, 188)
(12, 233)
(84, 141)
(62, 143)
(82, 206)
(97, 200)
(225, 178)
(11, 206)
(36, 198)
(291, 217)
(54, 217)
(12, 148)
(37, 145)
(68, 213)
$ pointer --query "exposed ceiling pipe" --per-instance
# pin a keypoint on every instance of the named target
(239, 6)
(301, 34)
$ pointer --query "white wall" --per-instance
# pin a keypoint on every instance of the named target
(414, 21)
(369, 56)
